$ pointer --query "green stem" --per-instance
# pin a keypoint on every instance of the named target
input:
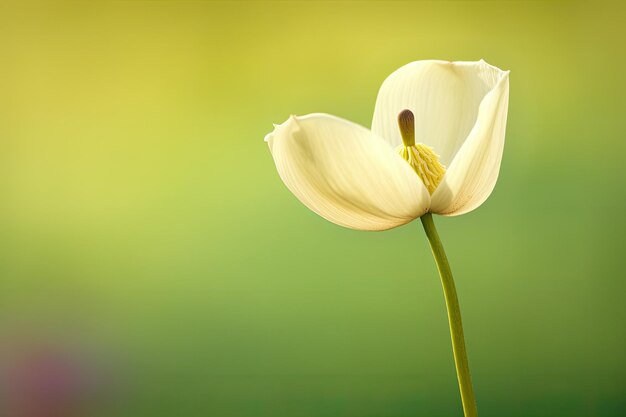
(454, 317)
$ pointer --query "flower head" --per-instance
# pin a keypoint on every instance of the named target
(435, 146)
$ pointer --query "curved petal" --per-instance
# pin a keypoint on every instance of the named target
(344, 173)
(444, 97)
(473, 173)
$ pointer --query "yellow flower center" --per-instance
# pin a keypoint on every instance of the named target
(425, 163)
(422, 158)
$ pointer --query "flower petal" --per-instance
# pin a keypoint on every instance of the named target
(344, 173)
(444, 97)
(473, 173)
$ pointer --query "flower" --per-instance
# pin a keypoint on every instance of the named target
(444, 121)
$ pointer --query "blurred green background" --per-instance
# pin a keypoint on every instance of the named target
(141, 212)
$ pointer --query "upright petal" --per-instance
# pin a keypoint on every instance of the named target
(344, 173)
(444, 97)
(472, 175)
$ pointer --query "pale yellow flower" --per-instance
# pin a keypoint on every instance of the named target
(360, 178)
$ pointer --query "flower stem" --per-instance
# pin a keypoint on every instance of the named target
(454, 317)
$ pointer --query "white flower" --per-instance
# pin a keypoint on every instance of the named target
(360, 178)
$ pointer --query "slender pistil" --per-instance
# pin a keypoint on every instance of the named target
(406, 122)
(422, 158)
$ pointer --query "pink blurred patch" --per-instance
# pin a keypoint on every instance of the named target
(46, 382)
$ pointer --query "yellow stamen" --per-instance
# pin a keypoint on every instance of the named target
(422, 158)
(425, 163)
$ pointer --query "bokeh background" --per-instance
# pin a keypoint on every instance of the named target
(144, 229)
